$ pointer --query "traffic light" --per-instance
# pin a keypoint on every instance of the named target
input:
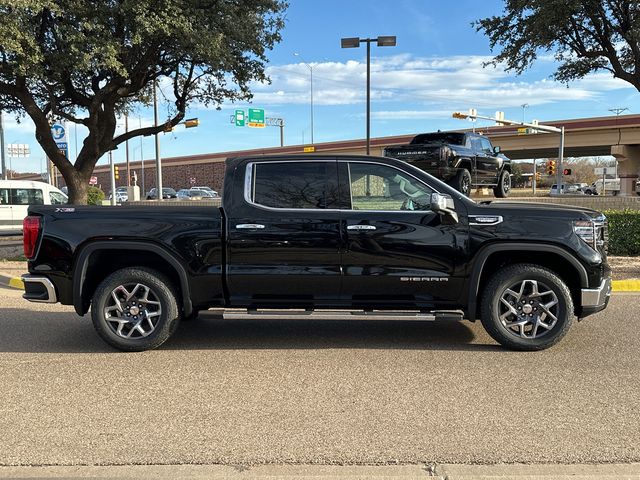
(551, 167)
(116, 172)
(459, 115)
(191, 122)
(566, 171)
(538, 177)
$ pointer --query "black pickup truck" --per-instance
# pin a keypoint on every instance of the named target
(332, 237)
(462, 159)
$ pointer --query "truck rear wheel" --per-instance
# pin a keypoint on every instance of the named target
(135, 309)
(462, 181)
(504, 185)
(526, 307)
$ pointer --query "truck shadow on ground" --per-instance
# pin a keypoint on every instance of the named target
(65, 332)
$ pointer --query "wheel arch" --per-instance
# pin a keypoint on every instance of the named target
(491, 258)
(110, 256)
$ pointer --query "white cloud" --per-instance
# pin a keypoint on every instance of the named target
(406, 79)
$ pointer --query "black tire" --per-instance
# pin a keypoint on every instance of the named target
(157, 308)
(504, 185)
(462, 182)
(511, 279)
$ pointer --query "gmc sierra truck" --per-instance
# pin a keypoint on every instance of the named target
(463, 160)
(333, 237)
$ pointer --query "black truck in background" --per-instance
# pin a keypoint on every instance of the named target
(464, 160)
(334, 237)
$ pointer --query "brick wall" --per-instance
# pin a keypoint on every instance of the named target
(177, 177)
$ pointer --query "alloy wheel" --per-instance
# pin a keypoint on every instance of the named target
(528, 309)
(132, 310)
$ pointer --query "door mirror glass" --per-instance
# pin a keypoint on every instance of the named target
(496, 149)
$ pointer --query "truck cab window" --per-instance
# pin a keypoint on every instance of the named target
(4, 196)
(382, 188)
(306, 185)
(57, 198)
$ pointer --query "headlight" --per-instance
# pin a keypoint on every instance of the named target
(593, 233)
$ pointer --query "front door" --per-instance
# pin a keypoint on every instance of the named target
(284, 237)
(398, 253)
(6, 210)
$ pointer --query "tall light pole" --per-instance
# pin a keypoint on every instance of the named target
(381, 41)
(524, 106)
(311, 75)
(158, 160)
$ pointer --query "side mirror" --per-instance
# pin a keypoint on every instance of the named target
(496, 149)
(443, 205)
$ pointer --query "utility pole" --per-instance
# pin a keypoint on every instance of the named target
(113, 178)
(3, 162)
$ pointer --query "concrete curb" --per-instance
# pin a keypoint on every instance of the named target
(320, 472)
(11, 281)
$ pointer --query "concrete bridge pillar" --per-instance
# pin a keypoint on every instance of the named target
(628, 157)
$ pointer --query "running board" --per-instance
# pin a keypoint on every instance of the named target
(446, 315)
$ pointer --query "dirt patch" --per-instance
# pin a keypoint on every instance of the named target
(625, 268)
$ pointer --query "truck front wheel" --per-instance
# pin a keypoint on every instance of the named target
(135, 309)
(504, 185)
(526, 307)
(462, 181)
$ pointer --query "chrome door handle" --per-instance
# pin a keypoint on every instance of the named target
(361, 227)
(249, 226)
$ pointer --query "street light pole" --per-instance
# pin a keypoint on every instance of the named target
(311, 79)
(158, 160)
(381, 41)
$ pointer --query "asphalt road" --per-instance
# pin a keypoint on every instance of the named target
(247, 392)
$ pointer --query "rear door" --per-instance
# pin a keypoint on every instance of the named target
(284, 236)
(488, 162)
(399, 253)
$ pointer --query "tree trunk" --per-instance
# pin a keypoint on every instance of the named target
(78, 186)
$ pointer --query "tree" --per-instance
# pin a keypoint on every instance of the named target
(89, 61)
(585, 35)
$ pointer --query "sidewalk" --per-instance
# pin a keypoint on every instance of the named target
(321, 472)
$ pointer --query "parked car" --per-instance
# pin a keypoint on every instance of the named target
(17, 195)
(192, 194)
(570, 188)
(207, 189)
(122, 195)
(166, 193)
(323, 234)
(465, 160)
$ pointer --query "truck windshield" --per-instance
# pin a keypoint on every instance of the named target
(440, 137)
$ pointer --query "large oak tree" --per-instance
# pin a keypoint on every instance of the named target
(87, 61)
(584, 35)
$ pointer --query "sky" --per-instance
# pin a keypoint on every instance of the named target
(436, 68)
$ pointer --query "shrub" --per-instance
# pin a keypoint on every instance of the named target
(624, 232)
(94, 196)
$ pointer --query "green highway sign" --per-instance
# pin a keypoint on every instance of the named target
(240, 118)
(256, 118)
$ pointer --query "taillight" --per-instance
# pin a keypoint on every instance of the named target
(30, 230)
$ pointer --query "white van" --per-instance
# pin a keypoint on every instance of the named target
(17, 195)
